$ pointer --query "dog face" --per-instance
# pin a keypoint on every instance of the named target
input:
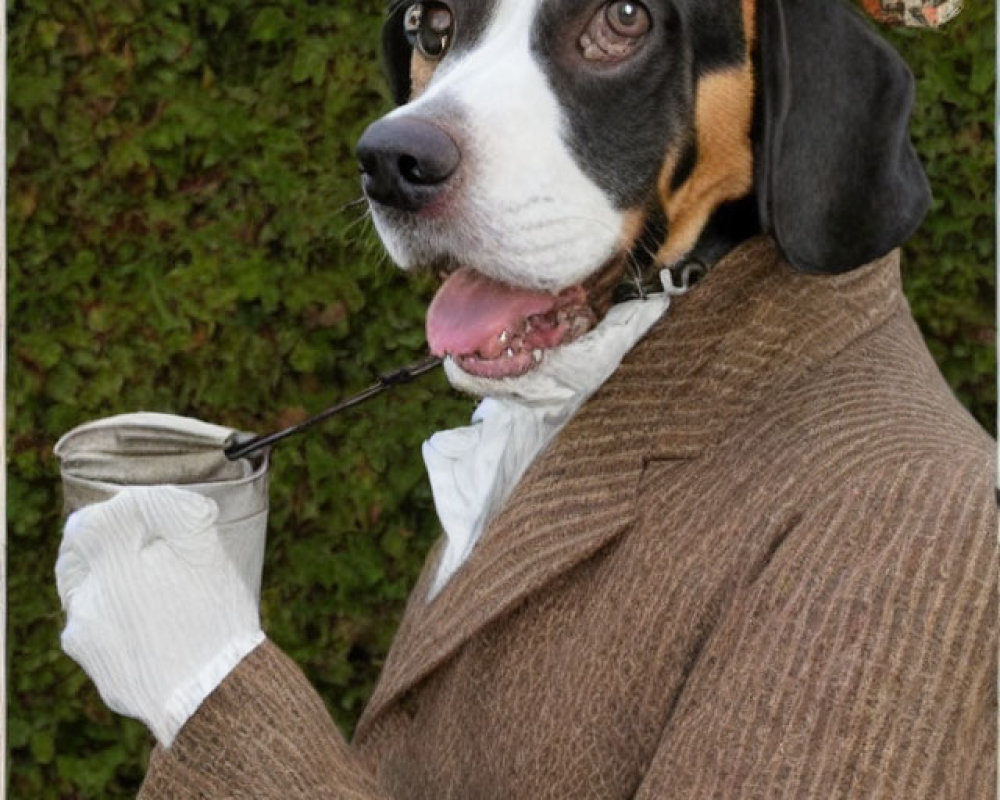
(571, 119)
(544, 145)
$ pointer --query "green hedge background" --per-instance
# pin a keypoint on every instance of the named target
(185, 236)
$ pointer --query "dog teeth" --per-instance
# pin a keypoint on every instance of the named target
(537, 355)
(505, 337)
(510, 352)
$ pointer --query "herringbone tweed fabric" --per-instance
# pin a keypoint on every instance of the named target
(760, 563)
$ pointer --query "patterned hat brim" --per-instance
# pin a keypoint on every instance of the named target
(913, 13)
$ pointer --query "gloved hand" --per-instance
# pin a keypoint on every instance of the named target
(156, 613)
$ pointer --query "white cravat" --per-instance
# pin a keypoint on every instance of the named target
(474, 470)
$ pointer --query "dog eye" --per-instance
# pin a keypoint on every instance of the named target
(615, 31)
(628, 19)
(429, 28)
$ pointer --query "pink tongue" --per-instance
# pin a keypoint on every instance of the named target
(470, 312)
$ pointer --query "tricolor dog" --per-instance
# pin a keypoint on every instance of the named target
(737, 542)
(546, 150)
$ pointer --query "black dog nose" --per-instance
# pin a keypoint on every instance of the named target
(406, 161)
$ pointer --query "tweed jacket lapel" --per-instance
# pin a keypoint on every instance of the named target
(753, 325)
(574, 499)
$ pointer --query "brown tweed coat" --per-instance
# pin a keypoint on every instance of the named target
(760, 563)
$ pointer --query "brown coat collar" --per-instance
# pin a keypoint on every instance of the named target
(751, 327)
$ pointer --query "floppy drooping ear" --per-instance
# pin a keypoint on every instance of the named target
(838, 181)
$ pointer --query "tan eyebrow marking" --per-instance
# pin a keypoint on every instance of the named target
(724, 106)
(421, 72)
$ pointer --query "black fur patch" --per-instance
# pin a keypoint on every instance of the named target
(717, 33)
(624, 118)
(685, 165)
(471, 21)
(472, 18)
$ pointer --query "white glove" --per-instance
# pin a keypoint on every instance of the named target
(156, 613)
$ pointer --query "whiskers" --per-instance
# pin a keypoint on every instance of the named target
(360, 230)
(642, 260)
(357, 202)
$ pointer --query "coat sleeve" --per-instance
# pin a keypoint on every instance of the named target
(265, 734)
(861, 661)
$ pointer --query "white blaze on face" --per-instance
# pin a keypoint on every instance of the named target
(523, 212)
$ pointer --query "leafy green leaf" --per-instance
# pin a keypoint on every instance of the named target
(310, 61)
(269, 24)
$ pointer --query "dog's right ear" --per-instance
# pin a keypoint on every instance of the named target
(397, 54)
(838, 181)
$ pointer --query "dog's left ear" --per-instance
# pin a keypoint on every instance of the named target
(397, 54)
(838, 181)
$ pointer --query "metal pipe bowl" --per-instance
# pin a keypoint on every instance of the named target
(97, 460)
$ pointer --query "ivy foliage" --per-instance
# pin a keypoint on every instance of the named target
(950, 265)
(186, 236)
